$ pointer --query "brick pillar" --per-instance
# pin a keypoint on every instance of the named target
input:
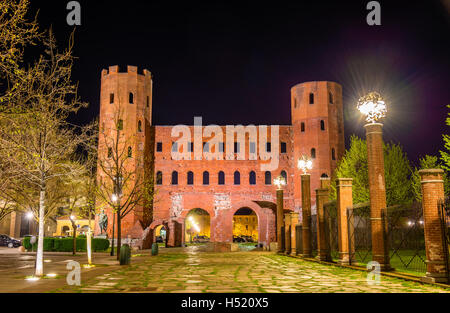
(344, 200)
(171, 234)
(294, 222)
(432, 192)
(325, 183)
(306, 215)
(323, 250)
(377, 190)
(280, 212)
(287, 233)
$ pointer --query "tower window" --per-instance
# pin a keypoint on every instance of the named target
(268, 147)
(175, 147)
(322, 125)
(148, 101)
(333, 154)
(190, 146)
(221, 147)
(311, 98)
(284, 175)
(330, 97)
(205, 178)
(252, 178)
(139, 126)
(174, 178)
(130, 152)
(302, 126)
(237, 178)
(190, 178)
(252, 147)
(268, 178)
(324, 175)
(205, 147)
(159, 147)
(283, 147)
(313, 153)
(131, 98)
(111, 98)
(109, 152)
(236, 147)
(221, 178)
(120, 125)
(159, 178)
(295, 102)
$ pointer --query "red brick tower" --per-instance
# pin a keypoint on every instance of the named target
(318, 130)
(131, 94)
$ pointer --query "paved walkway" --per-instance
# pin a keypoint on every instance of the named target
(189, 270)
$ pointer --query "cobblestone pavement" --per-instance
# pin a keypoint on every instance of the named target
(192, 271)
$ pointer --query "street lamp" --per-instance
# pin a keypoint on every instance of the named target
(373, 107)
(280, 182)
(115, 199)
(305, 164)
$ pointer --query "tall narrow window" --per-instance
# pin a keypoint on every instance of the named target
(120, 125)
(333, 154)
(252, 178)
(331, 97)
(109, 152)
(236, 147)
(111, 98)
(311, 98)
(130, 152)
(174, 146)
(148, 101)
(206, 147)
(159, 178)
(174, 178)
(221, 178)
(268, 178)
(221, 147)
(283, 147)
(131, 98)
(268, 146)
(205, 178)
(237, 178)
(313, 153)
(302, 127)
(190, 178)
(159, 147)
(139, 126)
(252, 147)
(322, 125)
(284, 174)
(295, 102)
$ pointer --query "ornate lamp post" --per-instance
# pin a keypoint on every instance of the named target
(305, 164)
(374, 108)
(280, 182)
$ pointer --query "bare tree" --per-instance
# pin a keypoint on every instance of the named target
(121, 185)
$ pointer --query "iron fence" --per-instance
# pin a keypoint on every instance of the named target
(406, 239)
(299, 239)
(359, 234)
(444, 215)
(331, 229)
(314, 235)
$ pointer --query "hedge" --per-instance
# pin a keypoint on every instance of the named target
(66, 244)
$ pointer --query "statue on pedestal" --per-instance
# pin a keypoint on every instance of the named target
(103, 222)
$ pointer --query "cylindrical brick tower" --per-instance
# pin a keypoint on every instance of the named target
(318, 129)
(127, 96)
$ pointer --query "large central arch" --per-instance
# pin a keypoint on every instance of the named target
(197, 226)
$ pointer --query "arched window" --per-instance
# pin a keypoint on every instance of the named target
(311, 98)
(221, 178)
(302, 126)
(131, 98)
(174, 178)
(322, 125)
(331, 97)
(109, 152)
(284, 174)
(237, 178)
(313, 153)
(252, 178)
(268, 178)
(190, 178)
(130, 152)
(333, 154)
(120, 124)
(205, 178)
(111, 98)
(139, 126)
(159, 178)
(324, 175)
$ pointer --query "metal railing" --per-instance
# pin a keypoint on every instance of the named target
(444, 215)
(331, 229)
(359, 234)
(314, 235)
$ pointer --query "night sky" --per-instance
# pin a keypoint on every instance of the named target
(235, 62)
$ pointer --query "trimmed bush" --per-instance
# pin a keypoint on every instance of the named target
(66, 244)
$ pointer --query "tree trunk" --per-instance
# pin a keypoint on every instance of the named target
(74, 236)
(40, 249)
(119, 234)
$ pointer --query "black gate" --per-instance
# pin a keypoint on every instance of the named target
(331, 229)
(406, 238)
(444, 215)
(359, 234)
